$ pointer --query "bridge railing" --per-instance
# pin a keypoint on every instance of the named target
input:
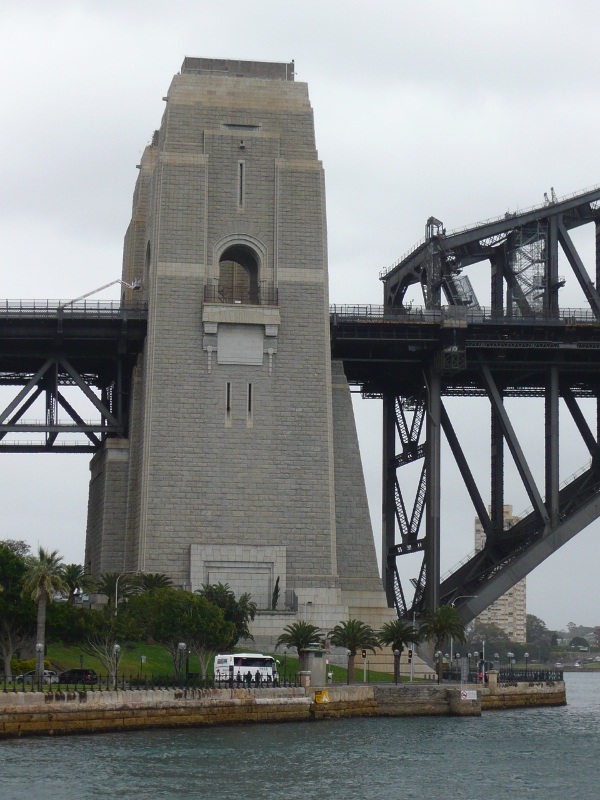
(476, 316)
(105, 309)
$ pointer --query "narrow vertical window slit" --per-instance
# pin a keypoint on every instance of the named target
(241, 178)
(249, 408)
(228, 405)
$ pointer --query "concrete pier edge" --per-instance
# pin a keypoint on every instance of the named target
(48, 713)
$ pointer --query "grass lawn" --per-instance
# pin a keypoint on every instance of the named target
(159, 662)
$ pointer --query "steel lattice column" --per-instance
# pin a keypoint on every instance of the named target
(497, 280)
(432, 510)
(552, 284)
(551, 430)
(597, 227)
(388, 508)
(497, 476)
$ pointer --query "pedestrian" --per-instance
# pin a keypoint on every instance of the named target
(257, 678)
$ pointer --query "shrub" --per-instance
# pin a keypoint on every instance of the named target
(20, 667)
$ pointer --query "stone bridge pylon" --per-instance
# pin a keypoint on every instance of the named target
(241, 460)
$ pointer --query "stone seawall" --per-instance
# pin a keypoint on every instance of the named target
(424, 701)
(524, 695)
(48, 713)
(30, 713)
(344, 701)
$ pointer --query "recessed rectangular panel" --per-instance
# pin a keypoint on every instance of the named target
(240, 344)
(255, 579)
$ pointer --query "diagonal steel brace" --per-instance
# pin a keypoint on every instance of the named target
(513, 443)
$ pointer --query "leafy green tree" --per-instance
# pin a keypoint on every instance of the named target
(300, 635)
(17, 546)
(17, 613)
(441, 624)
(153, 581)
(64, 623)
(100, 630)
(241, 612)
(536, 629)
(496, 640)
(77, 580)
(354, 635)
(579, 641)
(208, 632)
(170, 617)
(398, 634)
(44, 577)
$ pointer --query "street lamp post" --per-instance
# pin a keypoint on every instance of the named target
(127, 572)
(135, 286)
(483, 664)
(526, 663)
(181, 647)
(510, 661)
(39, 664)
(457, 657)
(396, 665)
(116, 652)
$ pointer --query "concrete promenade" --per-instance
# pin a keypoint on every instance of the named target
(47, 713)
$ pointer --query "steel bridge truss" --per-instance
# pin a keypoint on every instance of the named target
(54, 374)
(46, 347)
(508, 555)
(523, 251)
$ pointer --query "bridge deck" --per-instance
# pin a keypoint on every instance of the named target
(386, 350)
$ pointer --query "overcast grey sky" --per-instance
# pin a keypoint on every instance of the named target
(462, 110)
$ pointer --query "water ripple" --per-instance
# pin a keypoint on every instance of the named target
(531, 754)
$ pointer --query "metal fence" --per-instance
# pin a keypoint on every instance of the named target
(472, 316)
(522, 675)
(108, 309)
(139, 681)
(242, 295)
(507, 675)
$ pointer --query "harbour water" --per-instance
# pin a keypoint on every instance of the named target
(546, 753)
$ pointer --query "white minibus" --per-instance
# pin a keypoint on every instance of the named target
(244, 663)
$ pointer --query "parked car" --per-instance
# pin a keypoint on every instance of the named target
(88, 676)
(50, 676)
(558, 664)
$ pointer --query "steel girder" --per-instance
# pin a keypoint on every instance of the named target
(437, 262)
(523, 346)
(45, 347)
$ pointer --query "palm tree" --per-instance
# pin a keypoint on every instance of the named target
(354, 635)
(397, 635)
(76, 579)
(45, 575)
(440, 624)
(107, 585)
(300, 635)
(153, 581)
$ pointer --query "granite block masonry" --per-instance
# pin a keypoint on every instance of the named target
(242, 463)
